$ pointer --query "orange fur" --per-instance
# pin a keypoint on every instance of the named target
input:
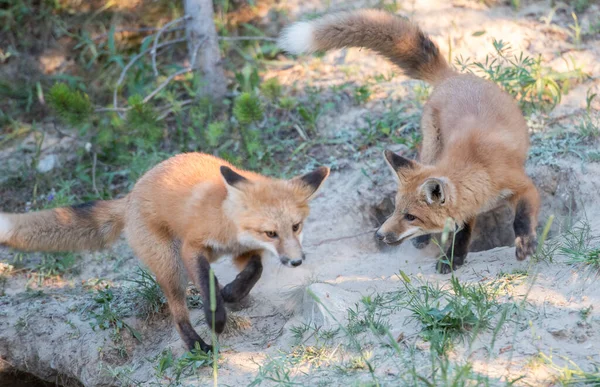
(475, 139)
(184, 213)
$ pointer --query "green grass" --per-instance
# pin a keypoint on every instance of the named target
(108, 312)
(581, 246)
(451, 312)
(53, 266)
(535, 86)
(571, 374)
(147, 293)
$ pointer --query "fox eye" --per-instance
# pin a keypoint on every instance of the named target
(296, 227)
(409, 217)
(271, 234)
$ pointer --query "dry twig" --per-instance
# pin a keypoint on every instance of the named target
(157, 37)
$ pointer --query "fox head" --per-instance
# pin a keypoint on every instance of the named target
(269, 213)
(423, 201)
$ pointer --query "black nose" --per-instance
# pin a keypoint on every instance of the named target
(296, 263)
(379, 235)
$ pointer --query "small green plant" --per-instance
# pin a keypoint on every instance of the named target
(450, 313)
(147, 293)
(368, 314)
(422, 92)
(275, 371)
(362, 94)
(310, 115)
(588, 129)
(247, 109)
(271, 89)
(53, 265)
(190, 362)
(576, 31)
(313, 355)
(571, 374)
(74, 107)
(287, 103)
(547, 148)
(165, 362)
(525, 78)
(215, 132)
(581, 246)
(111, 314)
(585, 312)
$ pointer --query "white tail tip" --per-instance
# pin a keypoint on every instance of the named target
(5, 227)
(297, 38)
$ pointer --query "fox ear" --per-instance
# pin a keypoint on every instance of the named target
(232, 178)
(400, 165)
(435, 190)
(312, 181)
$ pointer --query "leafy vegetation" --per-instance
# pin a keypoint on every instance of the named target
(525, 78)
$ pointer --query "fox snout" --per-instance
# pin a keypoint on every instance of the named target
(394, 232)
(387, 237)
(292, 262)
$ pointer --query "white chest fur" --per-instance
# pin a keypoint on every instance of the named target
(244, 244)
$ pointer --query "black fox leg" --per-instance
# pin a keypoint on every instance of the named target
(245, 280)
(198, 269)
(421, 241)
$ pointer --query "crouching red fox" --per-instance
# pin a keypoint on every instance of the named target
(475, 139)
(182, 215)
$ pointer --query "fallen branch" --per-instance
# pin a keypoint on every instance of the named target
(95, 161)
(242, 38)
(131, 63)
(167, 81)
(177, 73)
(139, 30)
(169, 110)
(157, 37)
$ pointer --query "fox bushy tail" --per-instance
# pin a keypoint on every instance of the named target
(392, 36)
(89, 226)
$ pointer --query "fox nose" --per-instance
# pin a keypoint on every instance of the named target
(297, 262)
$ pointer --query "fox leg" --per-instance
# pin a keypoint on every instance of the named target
(246, 279)
(162, 258)
(462, 239)
(421, 241)
(181, 315)
(527, 206)
(196, 263)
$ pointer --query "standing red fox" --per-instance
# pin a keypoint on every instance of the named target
(182, 215)
(475, 139)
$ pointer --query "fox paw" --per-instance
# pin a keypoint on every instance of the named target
(218, 320)
(445, 268)
(421, 242)
(525, 246)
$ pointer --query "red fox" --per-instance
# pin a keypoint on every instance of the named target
(183, 214)
(475, 139)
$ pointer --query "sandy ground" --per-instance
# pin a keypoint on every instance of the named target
(50, 334)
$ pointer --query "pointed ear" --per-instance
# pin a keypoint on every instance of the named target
(312, 181)
(232, 178)
(400, 165)
(435, 190)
